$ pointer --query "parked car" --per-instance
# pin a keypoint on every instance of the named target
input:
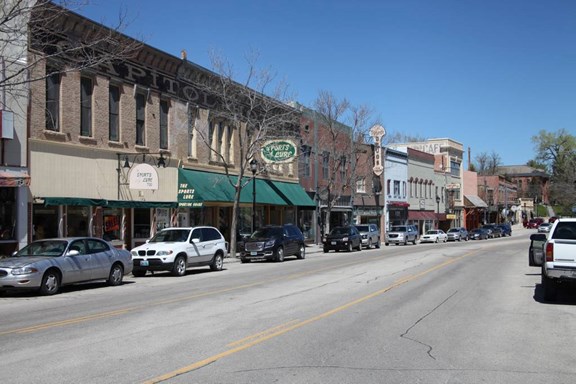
(343, 238)
(370, 235)
(534, 223)
(493, 230)
(177, 249)
(478, 234)
(46, 265)
(457, 234)
(506, 229)
(434, 236)
(274, 242)
(544, 227)
(401, 234)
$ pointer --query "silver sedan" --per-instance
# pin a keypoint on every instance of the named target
(46, 265)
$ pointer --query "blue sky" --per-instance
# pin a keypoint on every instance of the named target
(487, 73)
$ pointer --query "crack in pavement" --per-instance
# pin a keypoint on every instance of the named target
(405, 334)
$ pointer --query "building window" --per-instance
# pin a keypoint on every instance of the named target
(163, 124)
(454, 168)
(396, 188)
(388, 189)
(53, 102)
(305, 161)
(140, 118)
(361, 185)
(191, 136)
(343, 168)
(86, 89)
(325, 165)
(404, 189)
(114, 113)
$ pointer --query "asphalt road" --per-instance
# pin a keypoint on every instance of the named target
(468, 312)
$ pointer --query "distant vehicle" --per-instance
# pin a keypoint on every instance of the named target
(46, 265)
(506, 229)
(343, 238)
(370, 235)
(544, 227)
(478, 234)
(534, 223)
(457, 234)
(434, 236)
(552, 219)
(401, 234)
(274, 242)
(493, 230)
(179, 248)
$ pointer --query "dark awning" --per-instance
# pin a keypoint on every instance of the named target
(473, 201)
(197, 187)
(79, 201)
(9, 178)
(293, 193)
(421, 215)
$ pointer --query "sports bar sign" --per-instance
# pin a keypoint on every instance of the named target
(278, 151)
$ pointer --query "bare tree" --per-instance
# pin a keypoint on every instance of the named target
(341, 145)
(488, 164)
(254, 111)
(34, 32)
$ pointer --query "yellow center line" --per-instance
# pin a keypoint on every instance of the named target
(285, 328)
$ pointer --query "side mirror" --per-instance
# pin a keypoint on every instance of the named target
(538, 237)
(195, 240)
(73, 253)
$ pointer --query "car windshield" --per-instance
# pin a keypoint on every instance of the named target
(340, 231)
(362, 228)
(176, 235)
(267, 232)
(432, 232)
(48, 248)
(453, 230)
(399, 229)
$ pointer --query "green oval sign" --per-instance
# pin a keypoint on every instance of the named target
(278, 151)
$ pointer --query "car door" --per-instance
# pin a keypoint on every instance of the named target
(102, 257)
(195, 247)
(76, 268)
(210, 238)
(290, 241)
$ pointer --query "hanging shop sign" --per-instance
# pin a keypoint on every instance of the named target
(278, 151)
(377, 132)
(143, 176)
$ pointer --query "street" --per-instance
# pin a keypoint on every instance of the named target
(461, 312)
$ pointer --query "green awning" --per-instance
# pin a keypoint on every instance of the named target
(79, 201)
(293, 193)
(197, 187)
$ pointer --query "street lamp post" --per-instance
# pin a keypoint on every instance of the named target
(253, 168)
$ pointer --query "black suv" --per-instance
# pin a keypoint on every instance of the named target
(273, 242)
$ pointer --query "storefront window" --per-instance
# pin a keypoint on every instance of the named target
(7, 214)
(78, 220)
(112, 224)
(45, 222)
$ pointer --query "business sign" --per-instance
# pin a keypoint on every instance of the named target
(278, 151)
(377, 132)
(143, 176)
(452, 186)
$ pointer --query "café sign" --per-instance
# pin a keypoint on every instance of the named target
(278, 151)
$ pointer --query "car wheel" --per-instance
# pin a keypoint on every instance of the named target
(50, 283)
(350, 247)
(139, 273)
(217, 262)
(369, 243)
(550, 288)
(405, 241)
(326, 250)
(386, 244)
(179, 267)
(436, 240)
(116, 275)
(359, 246)
(414, 241)
(378, 243)
(280, 255)
(301, 252)
(244, 260)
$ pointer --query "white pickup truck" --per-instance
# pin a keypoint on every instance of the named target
(556, 253)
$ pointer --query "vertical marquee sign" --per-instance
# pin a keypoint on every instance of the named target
(377, 132)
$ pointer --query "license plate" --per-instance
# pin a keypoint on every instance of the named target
(144, 263)
(253, 253)
(333, 243)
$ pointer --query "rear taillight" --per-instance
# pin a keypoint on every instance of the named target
(549, 252)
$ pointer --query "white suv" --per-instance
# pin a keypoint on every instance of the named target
(176, 249)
